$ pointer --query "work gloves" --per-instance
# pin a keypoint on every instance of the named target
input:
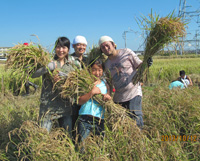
(51, 65)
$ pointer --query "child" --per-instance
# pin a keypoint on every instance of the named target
(52, 106)
(91, 113)
(185, 79)
(175, 84)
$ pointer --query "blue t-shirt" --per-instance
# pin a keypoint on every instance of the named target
(176, 84)
(92, 107)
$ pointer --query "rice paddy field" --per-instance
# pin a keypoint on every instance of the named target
(171, 118)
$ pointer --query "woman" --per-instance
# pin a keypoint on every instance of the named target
(52, 106)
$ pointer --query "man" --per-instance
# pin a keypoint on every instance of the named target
(78, 60)
(122, 65)
(79, 45)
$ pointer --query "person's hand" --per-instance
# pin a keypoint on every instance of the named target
(106, 97)
(149, 61)
(95, 89)
(62, 74)
(52, 65)
(56, 78)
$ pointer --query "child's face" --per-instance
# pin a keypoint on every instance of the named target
(182, 76)
(97, 71)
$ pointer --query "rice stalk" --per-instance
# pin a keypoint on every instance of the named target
(34, 143)
(80, 82)
(160, 31)
(25, 60)
(95, 53)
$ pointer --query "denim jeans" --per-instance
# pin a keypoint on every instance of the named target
(65, 122)
(135, 107)
(87, 124)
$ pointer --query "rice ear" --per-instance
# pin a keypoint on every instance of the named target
(80, 82)
(95, 53)
(160, 31)
(25, 60)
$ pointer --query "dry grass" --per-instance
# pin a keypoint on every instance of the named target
(166, 112)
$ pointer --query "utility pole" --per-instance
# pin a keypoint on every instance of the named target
(124, 36)
(125, 32)
(197, 41)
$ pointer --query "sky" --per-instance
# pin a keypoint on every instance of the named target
(50, 19)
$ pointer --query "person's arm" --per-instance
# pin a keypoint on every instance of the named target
(107, 96)
(39, 72)
(44, 70)
(135, 60)
(190, 80)
(83, 99)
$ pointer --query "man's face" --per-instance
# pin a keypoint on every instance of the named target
(79, 49)
(107, 48)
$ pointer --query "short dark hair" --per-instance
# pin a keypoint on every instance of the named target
(182, 73)
(97, 62)
(62, 41)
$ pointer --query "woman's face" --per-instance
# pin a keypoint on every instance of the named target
(61, 52)
(97, 71)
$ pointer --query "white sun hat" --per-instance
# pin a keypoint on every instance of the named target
(79, 39)
(104, 39)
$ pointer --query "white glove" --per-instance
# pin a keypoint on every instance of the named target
(62, 74)
(51, 65)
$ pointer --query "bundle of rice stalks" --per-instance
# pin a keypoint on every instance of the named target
(78, 83)
(125, 143)
(25, 60)
(95, 53)
(81, 82)
(30, 142)
(160, 31)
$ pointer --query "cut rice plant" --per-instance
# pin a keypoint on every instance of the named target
(166, 113)
(160, 31)
(81, 82)
(31, 142)
(25, 60)
(95, 53)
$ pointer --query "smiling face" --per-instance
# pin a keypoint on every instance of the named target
(107, 48)
(61, 51)
(79, 49)
(97, 70)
